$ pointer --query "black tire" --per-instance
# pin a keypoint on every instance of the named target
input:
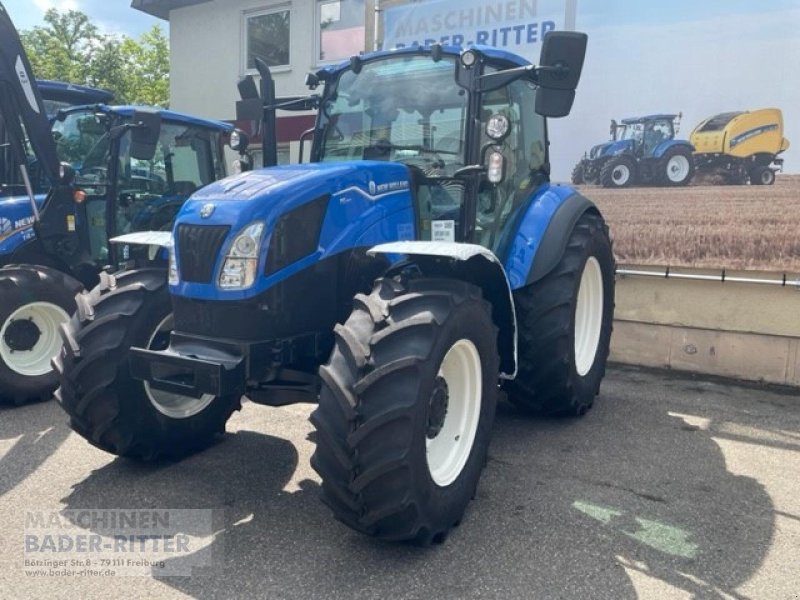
(668, 176)
(577, 174)
(105, 404)
(548, 381)
(762, 175)
(21, 286)
(374, 409)
(611, 175)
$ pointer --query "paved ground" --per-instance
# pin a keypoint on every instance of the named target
(669, 488)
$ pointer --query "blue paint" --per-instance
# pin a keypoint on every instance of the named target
(546, 201)
(370, 203)
(16, 220)
(662, 148)
(491, 53)
(127, 111)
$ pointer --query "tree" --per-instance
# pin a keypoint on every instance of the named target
(70, 48)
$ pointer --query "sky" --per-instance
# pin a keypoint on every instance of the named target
(110, 16)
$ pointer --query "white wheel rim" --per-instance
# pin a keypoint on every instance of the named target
(48, 318)
(588, 316)
(447, 453)
(175, 406)
(677, 168)
(621, 174)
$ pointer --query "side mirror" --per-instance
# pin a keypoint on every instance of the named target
(613, 129)
(145, 133)
(559, 71)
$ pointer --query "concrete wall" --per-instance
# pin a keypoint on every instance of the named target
(736, 330)
(207, 54)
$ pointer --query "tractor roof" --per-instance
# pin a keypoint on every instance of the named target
(493, 54)
(167, 115)
(634, 120)
(72, 93)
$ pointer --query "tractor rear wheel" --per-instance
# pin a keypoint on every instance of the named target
(677, 167)
(618, 172)
(565, 322)
(577, 174)
(105, 404)
(762, 175)
(406, 408)
(34, 302)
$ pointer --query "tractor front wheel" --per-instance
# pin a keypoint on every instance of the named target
(34, 302)
(406, 408)
(677, 167)
(105, 404)
(618, 172)
(565, 322)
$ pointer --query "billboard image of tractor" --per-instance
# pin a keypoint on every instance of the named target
(741, 146)
(642, 150)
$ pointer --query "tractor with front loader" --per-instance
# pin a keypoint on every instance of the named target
(71, 181)
(741, 146)
(642, 151)
(417, 266)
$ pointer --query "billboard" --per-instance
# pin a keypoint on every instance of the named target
(706, 102)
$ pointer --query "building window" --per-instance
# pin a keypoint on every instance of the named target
(267, 37)
(341, 29)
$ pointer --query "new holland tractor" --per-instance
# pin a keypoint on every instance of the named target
(98, 171)
(420, 263)
(741, 146)
(643, 150)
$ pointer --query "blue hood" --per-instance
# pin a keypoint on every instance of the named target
(370, 203)
(611, 148)
(265, 194)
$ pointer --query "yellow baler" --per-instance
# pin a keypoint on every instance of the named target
(741, 146)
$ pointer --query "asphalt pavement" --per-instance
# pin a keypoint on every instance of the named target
(670, 487)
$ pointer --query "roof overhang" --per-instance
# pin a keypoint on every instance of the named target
(161, 8)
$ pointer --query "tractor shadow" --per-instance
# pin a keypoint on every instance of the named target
(34, 433)
(566, 508)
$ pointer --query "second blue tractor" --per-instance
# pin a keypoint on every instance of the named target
(642, 150)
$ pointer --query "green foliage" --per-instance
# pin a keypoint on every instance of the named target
(68, 47)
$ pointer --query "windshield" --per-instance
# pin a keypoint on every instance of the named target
(82, 141)
(406, 109)
(631, 132)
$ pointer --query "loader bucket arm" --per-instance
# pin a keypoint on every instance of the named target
(21, 105)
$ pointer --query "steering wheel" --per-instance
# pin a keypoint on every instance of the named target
(99, 174)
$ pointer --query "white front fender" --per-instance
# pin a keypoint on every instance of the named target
(488, 274)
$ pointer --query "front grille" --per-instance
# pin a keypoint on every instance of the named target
(198, 249)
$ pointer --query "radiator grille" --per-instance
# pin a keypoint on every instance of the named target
(198, 249)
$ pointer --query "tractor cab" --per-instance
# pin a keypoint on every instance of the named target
(131, 171)
(471, 155)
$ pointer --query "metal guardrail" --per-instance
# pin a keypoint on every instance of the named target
(784, 280)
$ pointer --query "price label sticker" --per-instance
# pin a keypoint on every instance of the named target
(443, 231)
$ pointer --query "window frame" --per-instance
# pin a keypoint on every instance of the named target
(259, 12)
(318, 37)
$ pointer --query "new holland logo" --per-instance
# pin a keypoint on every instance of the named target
(5, 226)
(207, 210)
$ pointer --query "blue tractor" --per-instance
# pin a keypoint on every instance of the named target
(419, 264)
(70, 181)
(642, 150)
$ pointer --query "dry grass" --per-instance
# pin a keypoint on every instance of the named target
(732, 227)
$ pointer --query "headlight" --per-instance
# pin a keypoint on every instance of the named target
(241, 260)
(173, 278)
